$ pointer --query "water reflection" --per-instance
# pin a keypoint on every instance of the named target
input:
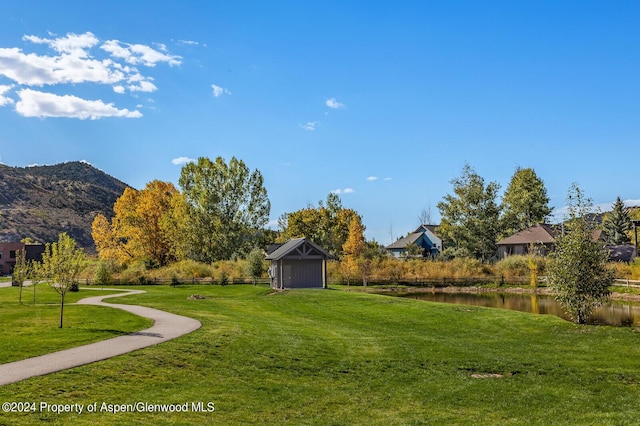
(613, 313)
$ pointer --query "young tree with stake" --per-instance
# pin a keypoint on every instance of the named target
(62, 261)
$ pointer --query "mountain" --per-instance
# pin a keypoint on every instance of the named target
(42, 201)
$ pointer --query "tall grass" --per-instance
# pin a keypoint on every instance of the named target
(387, 269)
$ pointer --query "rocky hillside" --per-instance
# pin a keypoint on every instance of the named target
(42, 201)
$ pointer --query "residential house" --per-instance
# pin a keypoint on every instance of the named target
(9, 252)
(424, 237)
(540, 237)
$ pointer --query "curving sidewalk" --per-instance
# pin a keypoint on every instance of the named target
(166, 326)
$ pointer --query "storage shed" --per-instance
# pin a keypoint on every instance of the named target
(298, 263)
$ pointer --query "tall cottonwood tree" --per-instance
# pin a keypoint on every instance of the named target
(327, 225)
(62, 262)
(139, 229)
(227, 207)
(578, 272)
(470, 216)
(525, 202)
(617, 224)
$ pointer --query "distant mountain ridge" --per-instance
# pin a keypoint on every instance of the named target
(40, 202)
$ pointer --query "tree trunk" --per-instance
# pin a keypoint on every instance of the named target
(61, 308)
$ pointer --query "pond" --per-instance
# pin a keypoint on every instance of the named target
(613, 313)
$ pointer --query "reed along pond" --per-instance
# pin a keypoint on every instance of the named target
(613, 313)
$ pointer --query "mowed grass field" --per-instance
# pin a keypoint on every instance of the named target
(334, 357)
(30, 329)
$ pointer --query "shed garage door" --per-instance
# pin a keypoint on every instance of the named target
(302, 273)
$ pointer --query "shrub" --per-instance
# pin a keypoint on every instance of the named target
(513, 266)
(224, 278)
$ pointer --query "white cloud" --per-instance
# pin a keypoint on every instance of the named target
(217, 91)
(33, 103)
(387, 178)
(142, 86)
(33, 70)
(182, 160)
(3, 99)
(75, 44)
(139, 54)
(372, 178)
(190, 42)
(343, 191)
(76, 60)
(334, 104)
(310, 126)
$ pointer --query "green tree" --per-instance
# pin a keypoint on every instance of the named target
(370, 255)
(470, 217)
(35, 276)
(227, 207)
(255, 264)
(414, 250)
(62, 261)
(578, 272)
(525, 202)
(103, 272)
(326, 225)
(617, 224)
(21, 270)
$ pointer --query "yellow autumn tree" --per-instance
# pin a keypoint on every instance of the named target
(108, 244)
(353, 247)
(174, 226)
(140, 228)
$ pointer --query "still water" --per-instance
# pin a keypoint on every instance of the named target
(613, 313)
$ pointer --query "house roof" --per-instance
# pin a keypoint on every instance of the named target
(539, 234)
(298, 247)
(431, 228)
(622, 253)
(404, 242)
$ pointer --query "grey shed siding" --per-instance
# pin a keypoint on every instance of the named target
(302, 273)
(298, 263)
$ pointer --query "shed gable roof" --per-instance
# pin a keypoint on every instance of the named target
(299, 247)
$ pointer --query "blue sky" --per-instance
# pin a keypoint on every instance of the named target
(383, 102)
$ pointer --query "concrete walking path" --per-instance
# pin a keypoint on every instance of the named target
(166, 326)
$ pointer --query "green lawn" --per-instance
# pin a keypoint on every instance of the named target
(338, 357)
(30, 329)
